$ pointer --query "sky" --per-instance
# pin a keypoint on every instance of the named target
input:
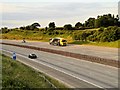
(14, 13)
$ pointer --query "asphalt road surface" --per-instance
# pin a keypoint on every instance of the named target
(103, 52)
(76, 73)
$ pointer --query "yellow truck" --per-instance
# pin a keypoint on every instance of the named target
(58, 41)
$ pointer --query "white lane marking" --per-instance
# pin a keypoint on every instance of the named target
(89, 62)
(42, 71)
(59, 70)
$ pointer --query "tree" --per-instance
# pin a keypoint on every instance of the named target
(68, 27)
(83, 36)
(117, 17)
(78, 25)
(97, 23)
(52, 25)
(22, 28)
(102, 22)
(107, 20)
(4, 30)
(31, 27)
(90, 23)
(46, 28)
(34, 26)
(28, 27)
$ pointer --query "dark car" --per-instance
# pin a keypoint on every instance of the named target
(23, 41)
(32, 56)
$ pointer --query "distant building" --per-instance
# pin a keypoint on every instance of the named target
(119, 10)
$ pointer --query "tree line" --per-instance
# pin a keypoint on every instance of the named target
(101, 21)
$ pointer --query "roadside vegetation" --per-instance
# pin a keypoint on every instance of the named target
(114, 44)
(16, 75)
(0, 72)
(103, 31)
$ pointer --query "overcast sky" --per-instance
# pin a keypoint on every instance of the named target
(14, 13)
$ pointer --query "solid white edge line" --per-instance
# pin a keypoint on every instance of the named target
(46, 73)
(87, 61)
(61, 71)
(41, 71)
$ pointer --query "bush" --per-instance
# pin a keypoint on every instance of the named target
(101, 29)
(50, 29)
(49, 33)
(56, 33)
(103, 39)
(83, 36)
(13, 83)
(90, 38)
(68, 27)
(75, 37)
(61, 33)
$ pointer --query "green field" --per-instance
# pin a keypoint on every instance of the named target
(18, 75)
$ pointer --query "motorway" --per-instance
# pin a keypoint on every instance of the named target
(75, 73)
(102, 52)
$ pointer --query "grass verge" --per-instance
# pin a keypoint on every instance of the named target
(103, 44)
(18, 75)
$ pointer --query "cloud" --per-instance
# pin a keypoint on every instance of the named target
(60, 1)
(14, 14)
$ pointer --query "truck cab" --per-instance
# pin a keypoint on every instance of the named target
(58, 41)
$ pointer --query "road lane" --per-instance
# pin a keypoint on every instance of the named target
(66, 79)
(101, 75)
(103, 52)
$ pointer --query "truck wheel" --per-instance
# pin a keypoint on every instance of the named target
(58, 44)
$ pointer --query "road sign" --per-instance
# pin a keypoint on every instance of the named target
(14, 56)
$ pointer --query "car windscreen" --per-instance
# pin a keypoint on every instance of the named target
(64, 41)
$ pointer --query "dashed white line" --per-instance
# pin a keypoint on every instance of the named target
(59, 70)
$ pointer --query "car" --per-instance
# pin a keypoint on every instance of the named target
(32, 56)
(23, 41)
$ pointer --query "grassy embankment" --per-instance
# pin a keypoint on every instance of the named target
(114, 44)
(45, 35)
(18, 75)
(0, 72)
(35, 35)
